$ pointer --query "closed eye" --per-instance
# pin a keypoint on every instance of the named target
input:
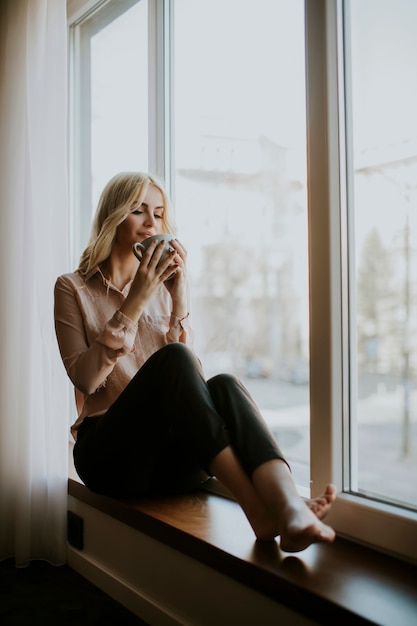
(157, 216)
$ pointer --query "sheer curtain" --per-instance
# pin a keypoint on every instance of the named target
(33, 234)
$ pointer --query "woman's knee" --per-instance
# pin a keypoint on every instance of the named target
(229, 387)
(176, 350)
(174, 353)
(224, 380)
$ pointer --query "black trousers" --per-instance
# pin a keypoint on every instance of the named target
(166, 427)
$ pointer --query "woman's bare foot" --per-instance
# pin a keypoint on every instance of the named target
(272, 504)
(301, 528)
(298, 522)
(321, 505)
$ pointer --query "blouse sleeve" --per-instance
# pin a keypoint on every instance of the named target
(179, 330)
(88, 364)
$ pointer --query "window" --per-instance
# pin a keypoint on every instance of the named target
(358, 318)
(319, 318)
(382, 152)
(240, 196)
(109, 63)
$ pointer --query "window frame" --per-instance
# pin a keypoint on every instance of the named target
(161, 113)
(383, 526)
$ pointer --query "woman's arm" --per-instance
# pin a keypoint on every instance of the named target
(179, 329)
(88, 365)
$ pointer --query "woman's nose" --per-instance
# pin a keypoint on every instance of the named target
(150, 219)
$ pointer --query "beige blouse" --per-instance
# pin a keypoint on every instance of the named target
(101, 348)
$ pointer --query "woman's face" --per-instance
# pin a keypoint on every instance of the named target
(144, 221)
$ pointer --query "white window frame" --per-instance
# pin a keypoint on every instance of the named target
(387, 527)
(160, 90)
(383, 526)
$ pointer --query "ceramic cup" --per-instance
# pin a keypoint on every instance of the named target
(140, 248)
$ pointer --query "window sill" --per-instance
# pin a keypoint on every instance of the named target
(342, 580)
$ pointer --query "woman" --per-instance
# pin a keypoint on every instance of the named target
(148, 421)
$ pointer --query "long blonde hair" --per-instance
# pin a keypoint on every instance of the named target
(116, 202)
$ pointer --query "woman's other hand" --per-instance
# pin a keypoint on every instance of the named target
(176, 283)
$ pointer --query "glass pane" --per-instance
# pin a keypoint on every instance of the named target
(240, 196)
(384, 224)
(116, 41)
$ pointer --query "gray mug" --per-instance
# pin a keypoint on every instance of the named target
(140, 248)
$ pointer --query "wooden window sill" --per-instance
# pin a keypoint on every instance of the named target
(341, 580)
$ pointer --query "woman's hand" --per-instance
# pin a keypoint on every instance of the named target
(148, 279)
(177, 284)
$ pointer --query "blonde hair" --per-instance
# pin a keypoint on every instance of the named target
(116, 202)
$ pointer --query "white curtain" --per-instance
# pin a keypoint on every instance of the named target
(33, 234)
